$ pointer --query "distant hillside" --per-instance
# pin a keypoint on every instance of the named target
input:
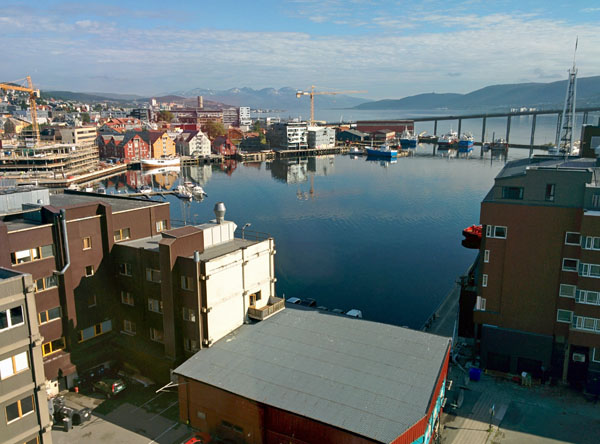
(283, 98)
(540, 95)
(81, 97)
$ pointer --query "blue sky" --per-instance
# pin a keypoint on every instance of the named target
(391, 49)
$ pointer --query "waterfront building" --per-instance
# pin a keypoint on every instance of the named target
(398, 126)
(193, 143)
(231, 117)
(320, 137)
(128, 146)
(224, 146)
(309, 376)
(244, 116)
(288, 135)
(114, 281)
(537, 306)
(23, 400)
(161, 145)
(351, 135)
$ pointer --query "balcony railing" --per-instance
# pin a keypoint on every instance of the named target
(260, 314)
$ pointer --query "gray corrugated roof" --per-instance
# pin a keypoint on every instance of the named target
(118, 203)
(517, 167)
(372, 379)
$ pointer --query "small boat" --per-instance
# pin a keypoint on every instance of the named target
(448, 140)
(183, 193)
(198, 191)
(408, 139)
(160, 163)
(473, 232)
(499, 145)
(356, 151)
(382, 151)
(465, 143)
(145, 189)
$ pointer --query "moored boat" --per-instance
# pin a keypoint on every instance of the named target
(448, 140)
(408, 139)
(473, 232)
(382, 151)
(355, 150)
(465, 143)
(160, 163)
(183, 193)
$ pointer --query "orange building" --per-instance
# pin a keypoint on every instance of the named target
(161, 145)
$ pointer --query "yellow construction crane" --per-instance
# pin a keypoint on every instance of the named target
(33, 93)
(312, 93)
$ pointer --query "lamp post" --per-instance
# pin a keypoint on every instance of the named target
(244, 227)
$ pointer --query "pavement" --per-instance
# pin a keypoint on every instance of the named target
(532, 415)
(137, 415)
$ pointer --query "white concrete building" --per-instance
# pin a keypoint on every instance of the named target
(193, 143)
(321, 137)
(288, 135)
(245, 119)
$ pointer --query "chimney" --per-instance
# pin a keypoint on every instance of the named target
(220, 212)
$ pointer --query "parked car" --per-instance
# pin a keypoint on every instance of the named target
(110, 387)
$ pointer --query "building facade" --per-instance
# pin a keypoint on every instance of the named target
(23, 402)
(538, 292)
(320, 137)
(161, 145)
(244, 116)
(288, 135)
(193, 143)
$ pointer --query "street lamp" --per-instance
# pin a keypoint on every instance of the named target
(244, 227)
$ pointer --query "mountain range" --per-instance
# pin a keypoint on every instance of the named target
(539, 95)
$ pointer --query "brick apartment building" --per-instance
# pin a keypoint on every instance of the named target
(111, 270)
(538, 293)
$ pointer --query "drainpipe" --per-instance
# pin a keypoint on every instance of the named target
(65, 242)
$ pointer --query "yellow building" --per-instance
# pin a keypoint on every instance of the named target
(161, 145)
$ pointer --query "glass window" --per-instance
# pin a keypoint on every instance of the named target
(12, 411)
(125, 269)
(512, 192)
(564, 316)
(570, 264)
(16, 316)
(127, 298)
(500, 232)
(87, 243)
(21, 362)
(3, 319)
(572, 238)
(550, 191)
(486, 256)
(89, 270)
(47, 251)
(6, 368)
(152, 275)
(567, 291)
(484, 280)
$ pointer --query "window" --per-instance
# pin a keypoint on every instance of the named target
(189, 314)
(155, 305)
(152, 275)
(567, 291)
(53, 346)
(588, 297)
(125, 269)
(572, 238)
(18, 409)
(87, 243)
(89, 270)
(91, 300)
(13, 317)
(584, 323)
(596, 201)
(122, 234)
(550, 192)
(589, 270)
(49, 315)
(45, 283)
(13, 365)
(500, 232)
(564, 316)
(95, 330)
(570, 264)
(127, 298)
(512, 192)
(156, 335)
(128, 326)
(489, 230)
(480, 303)
(596, 354)
(191, 345)
(187, 282)
(590, 243)
(32, 254)
(161, 225)
(484, 280)
(486, 256)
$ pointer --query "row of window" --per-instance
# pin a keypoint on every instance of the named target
(53, 346)
(578, 322)
(517, 192)
(153, 275)
(11, 317)
(19, 409)
(95, 330)
(585, 242)
(45, 283)
(495, 231)
(581, 296)
(13, 365)
(584, 270)
(32, 254)
(49, 315)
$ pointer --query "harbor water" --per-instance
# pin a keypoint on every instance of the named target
(381, 237)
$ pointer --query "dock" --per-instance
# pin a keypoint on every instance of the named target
(65, 182)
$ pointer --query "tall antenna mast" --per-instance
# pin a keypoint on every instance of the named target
(564, 136)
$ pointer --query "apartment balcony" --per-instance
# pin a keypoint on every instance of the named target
(260, 314)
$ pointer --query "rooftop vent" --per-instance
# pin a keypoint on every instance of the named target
(220, 212)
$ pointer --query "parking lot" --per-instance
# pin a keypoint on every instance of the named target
(136, 415)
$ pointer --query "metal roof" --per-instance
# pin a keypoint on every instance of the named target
(118, 203)
(371, 379)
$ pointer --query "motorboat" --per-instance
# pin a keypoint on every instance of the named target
(198, 191)
(448, 140)
(356, 151)
(183, 193)
(408, 139)
(161, 163)
(382, 151)
(145, 189)
(465, 143)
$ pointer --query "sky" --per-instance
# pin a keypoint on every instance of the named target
(391, 49)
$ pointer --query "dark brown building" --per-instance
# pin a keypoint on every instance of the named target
(538, 293)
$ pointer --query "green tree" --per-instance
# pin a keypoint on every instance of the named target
(97, 107)
(256, 127)
(165, 116)
(214, 129)
(85, 117)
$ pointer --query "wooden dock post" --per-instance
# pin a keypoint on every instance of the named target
(532, 135)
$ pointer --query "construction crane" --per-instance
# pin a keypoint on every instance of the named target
(33, 93)
(312, 93)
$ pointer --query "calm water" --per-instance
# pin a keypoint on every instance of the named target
(350, 233)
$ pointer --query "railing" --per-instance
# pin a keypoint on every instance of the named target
(275, 304)
(251, 235)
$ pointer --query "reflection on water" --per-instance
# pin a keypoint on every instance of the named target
(379, 236)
